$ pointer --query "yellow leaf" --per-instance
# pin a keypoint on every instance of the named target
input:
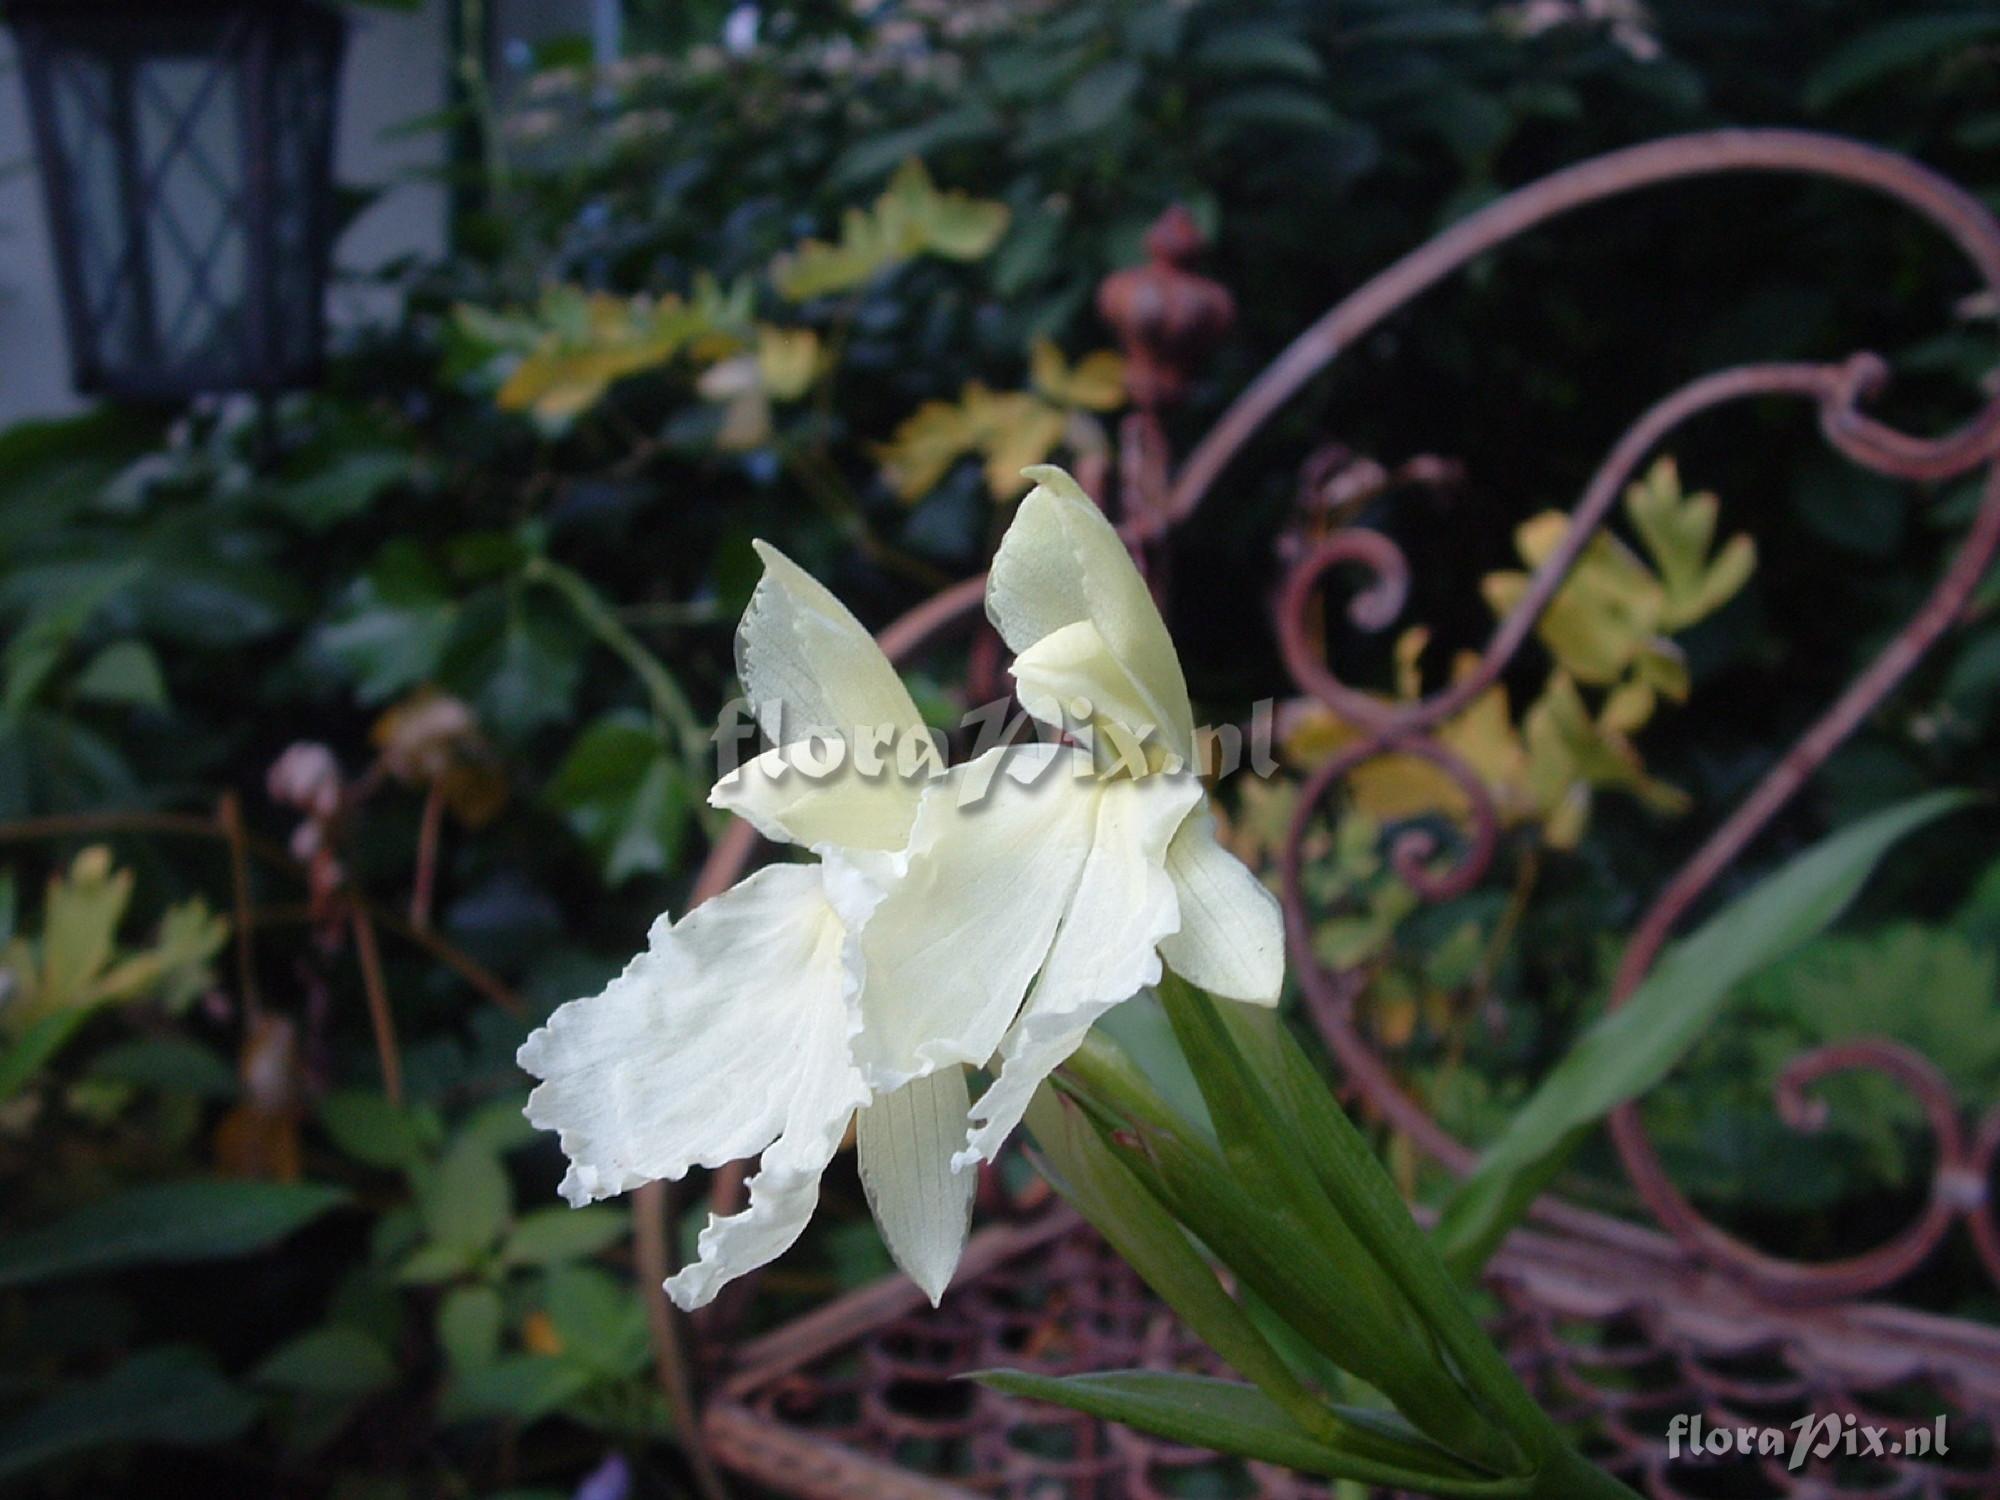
(788, 361)
(1096, 383)
(911, 218)
(1677, 532)
(927, 443)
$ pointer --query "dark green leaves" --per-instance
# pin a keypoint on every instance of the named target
(1230, 1418)
(199, 1219)
(1892, 47)
(623, 791)
(1631, 1048)
(172, 1396)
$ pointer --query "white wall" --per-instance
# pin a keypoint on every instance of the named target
(395, 73)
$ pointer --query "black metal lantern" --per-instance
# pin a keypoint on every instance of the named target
(186, 159)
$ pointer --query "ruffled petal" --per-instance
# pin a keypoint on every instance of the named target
(783, 1192)
(1124, 906)
(993, 858)
(809, 667)
(1061, 562)
(793, 795)
(1231, 940)
(923, 1206)
(730, 1032)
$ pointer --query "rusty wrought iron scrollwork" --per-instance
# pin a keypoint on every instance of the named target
(1838, 392)
(1166, 316)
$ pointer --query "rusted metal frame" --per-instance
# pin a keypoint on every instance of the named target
(1956, 212)
(1393, 729)
(792, 1462)
(1839, 389)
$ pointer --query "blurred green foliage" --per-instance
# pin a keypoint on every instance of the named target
(509, 628)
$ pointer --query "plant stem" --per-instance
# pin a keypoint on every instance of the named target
(671, 708)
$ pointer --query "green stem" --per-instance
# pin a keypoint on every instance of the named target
(671, 708)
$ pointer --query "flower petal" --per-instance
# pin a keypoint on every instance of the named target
(1060, 562)
(994, 855)
(783, 1194)
(904, 1142)
(730, 1032)
(1106, 951)
(1070, 678)
(1231, 940)
(790, 794)
(804, 657)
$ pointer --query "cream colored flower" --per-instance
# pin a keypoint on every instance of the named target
(989, 912)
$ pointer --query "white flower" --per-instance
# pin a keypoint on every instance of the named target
(995, 910)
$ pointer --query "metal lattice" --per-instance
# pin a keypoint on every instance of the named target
(185, 151)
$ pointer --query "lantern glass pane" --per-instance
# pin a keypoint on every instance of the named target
(185, 148)
(190, 154)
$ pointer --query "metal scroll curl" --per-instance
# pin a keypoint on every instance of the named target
(1839, 392)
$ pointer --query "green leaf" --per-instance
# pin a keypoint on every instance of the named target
(198, 1219)
(550, 1235)
(34, 1047)
(1089, 1175)
(337, 1360)
(1308, 1258)
(518, 662)
(372, 1130)
(623, 792)
(35, 649)
(1260, 50)
(344, 488)
(469, 1327)
(466, 1199)
(390, 633)
(1630, 1049)
(1275, 107)
(1231, 1418)
(600, 1319)
(431, 1264)
(168, 1064)
(522, 1386)
(1347, 1170)
(124, 672)
(172, 1396)
(1890, 48)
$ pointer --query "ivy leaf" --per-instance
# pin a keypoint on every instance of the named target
(623, 791)
(391, 632)
(341, 489)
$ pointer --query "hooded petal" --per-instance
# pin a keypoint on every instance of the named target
(812, 793)
(1107, 949)
(1231, 940)
(994, 856)
(728, 1034)
(1071, 678)
(813, 672)
(1062, 562)
(800, 652)
(904, 1142)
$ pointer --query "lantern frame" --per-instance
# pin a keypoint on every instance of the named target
(146, 117)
